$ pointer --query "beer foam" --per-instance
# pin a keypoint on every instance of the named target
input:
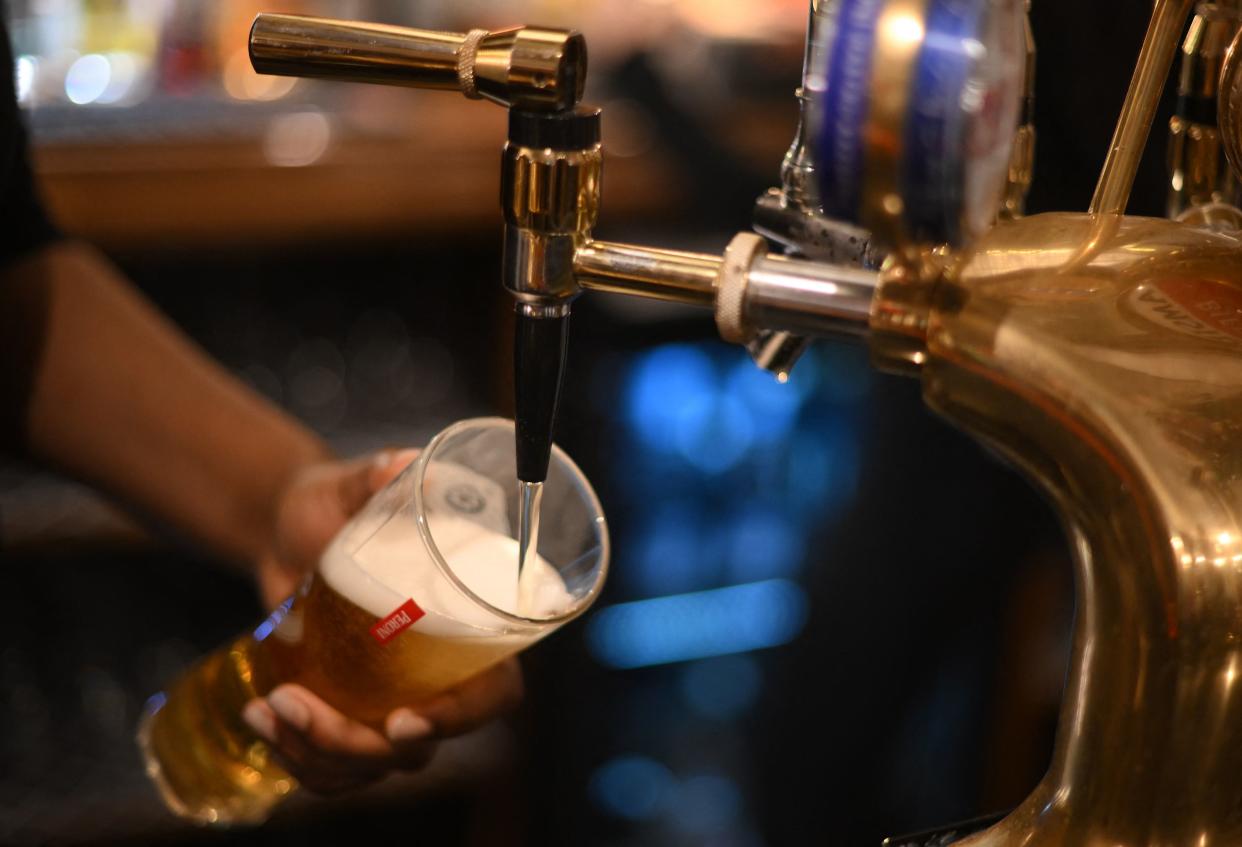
(393, 564)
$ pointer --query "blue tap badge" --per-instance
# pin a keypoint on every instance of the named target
(949, 144)
(844, 103)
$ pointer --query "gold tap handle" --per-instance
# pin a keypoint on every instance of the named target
(525, 67)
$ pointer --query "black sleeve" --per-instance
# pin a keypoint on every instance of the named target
(24, 225)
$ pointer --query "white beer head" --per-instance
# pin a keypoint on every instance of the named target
(381, 560)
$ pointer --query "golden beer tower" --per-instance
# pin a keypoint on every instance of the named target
(1101, 353)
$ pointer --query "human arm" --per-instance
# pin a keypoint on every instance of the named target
(122, 399)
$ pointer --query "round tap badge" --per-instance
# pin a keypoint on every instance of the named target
(916, 120)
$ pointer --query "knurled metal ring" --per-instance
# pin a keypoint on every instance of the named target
(731, 286)
(466, 55)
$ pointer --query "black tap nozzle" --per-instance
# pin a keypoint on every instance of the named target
(540, 341)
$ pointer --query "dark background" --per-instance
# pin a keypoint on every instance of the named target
(923, 667)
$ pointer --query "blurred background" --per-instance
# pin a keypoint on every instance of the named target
(830, 617)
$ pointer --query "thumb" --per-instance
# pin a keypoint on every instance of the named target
(320, 502)
(362, 478)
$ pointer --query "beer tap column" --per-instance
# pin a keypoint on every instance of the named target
(550, 188)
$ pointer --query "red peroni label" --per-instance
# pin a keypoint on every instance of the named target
(400, 619)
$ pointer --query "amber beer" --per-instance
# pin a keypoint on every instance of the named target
(211, 767)
(211, 764)
(420, 591)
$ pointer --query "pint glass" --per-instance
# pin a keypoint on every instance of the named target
(417, 593)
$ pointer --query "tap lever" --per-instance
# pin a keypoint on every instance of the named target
(540, 341)
(528, 67)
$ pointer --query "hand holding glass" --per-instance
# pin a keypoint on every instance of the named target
(419, 592)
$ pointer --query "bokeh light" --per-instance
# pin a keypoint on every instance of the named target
(632, 787)
(682, 627)
(87, 79)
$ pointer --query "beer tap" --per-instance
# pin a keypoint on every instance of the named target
(550, 197)
(1098, 352)
(550, 174)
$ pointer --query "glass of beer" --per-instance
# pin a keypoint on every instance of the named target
(420, 591)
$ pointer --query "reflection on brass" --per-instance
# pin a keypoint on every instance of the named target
(1198, 170)
(892, 69)
(530, 67)
(1022, 158)
(1021, 173)
(1117, 385)
(1113, 191)
(670, 275)
(1230, 105)
(553, 191)
(901, 311)
(550, 201)
(1223, 217)
(1203, 52)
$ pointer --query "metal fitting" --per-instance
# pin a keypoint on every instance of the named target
(538, 267)
(741, 253)
(551, 191)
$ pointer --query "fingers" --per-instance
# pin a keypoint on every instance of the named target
(324, 727)
(411, 737)
(328, 752)
(476, 701)
(354, 481)
(357, 480)
(322, 498)
(386, 466)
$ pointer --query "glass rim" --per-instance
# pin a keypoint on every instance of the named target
(424, 531)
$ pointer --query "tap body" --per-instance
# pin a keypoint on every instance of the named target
(549, 193)
(1116, 385)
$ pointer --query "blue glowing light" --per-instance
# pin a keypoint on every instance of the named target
(632, 787)
(722, 688)
(693, 626)
(714, 432)
(773, 407)
(272, 621)
(763, 543)
(677, 404)
(666, 384)
(821, 469)
(671, 553)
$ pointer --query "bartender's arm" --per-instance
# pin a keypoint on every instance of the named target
(96, 382)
